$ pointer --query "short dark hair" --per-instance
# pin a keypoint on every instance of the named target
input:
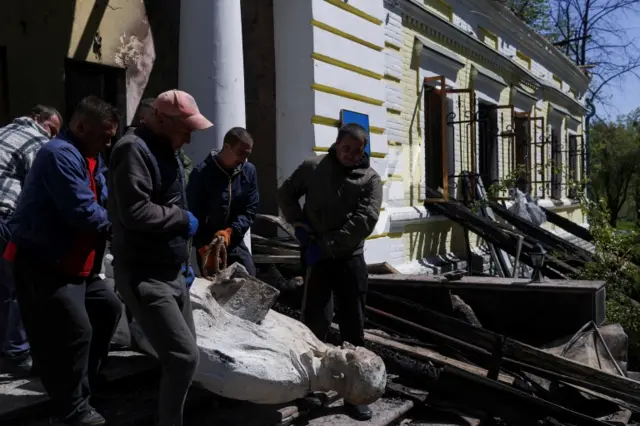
(147, 103)
(237, 135)
(93, 108)
(354, 131)
(45, 112)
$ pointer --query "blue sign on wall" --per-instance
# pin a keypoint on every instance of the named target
(347, 117)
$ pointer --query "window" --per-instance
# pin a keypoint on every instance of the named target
(449, 134)
(556, 164)
(522, 135)
(575, 163)
(488, 143)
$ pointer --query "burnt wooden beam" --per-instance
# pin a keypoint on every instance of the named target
(497, 399)
(568, 225)
(465, 337)
(492, 233)
(548, 239)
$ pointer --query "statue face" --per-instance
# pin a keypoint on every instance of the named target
(359, 375)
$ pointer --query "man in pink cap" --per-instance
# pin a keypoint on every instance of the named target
(152, 232)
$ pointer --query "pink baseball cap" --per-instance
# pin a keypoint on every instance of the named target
(181, 105)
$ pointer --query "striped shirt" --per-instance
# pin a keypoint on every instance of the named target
(19, 143)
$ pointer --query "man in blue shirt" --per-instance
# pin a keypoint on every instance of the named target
(223, 195)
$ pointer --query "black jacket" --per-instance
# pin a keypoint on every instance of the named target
(147, 202)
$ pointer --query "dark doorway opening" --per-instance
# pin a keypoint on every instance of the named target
(488, 143)
(108, 83)
(4, 88)
(434, 138)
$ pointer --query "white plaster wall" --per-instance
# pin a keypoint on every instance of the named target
(211, 68)
(294, 76)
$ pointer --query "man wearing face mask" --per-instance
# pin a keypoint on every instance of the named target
(58, 235)
(343, 196)
(152, 229)
(19, 143)
(223, 195)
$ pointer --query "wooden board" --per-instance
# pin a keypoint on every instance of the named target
(427, 354)
(568, 225)
(495, 283)
(275, 258)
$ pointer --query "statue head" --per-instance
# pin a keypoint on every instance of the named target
(356, 373)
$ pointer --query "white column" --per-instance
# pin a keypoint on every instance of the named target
(211, 69)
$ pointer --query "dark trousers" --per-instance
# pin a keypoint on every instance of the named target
(159, 301)
(346, 280)
(13, 338)
(241, 254)
(70, 322)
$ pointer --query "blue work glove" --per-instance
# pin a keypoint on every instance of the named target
(313, 254)
(193, 224)
(303, 232)
(189, 276)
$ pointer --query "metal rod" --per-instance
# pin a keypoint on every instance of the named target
(595, 327)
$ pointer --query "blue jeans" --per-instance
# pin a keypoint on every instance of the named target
(13, 338)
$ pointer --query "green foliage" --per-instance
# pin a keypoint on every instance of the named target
(615, 255)
(615, 162)
(535, 13)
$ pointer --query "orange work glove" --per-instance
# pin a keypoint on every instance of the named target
(226, 234)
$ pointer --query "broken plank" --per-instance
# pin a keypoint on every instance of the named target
(495, 398)
(520, 355)
(492, 283)
(492, 233)
(386, 411)
(425, 354)
(550, 240)
(568, 225)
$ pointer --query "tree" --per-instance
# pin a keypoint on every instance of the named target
(615, 162)
(590, 32)
(535, 13)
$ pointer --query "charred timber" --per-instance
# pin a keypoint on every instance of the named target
(493, 234)
(517, 355)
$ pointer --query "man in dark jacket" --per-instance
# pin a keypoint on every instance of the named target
(223, 195)
(152, 229)
(343, 195)
(58, 234)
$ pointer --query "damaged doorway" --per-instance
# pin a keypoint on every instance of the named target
(108, 83)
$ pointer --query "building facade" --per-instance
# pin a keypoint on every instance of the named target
(449, 87)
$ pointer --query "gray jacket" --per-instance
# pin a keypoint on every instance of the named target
(342, 205)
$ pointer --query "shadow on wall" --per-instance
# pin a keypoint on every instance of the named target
(41, 35)
(36, 35)
(429, 240)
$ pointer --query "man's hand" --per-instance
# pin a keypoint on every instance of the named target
(226, 234)
(313, 254)
(189, 276)
(193, 224)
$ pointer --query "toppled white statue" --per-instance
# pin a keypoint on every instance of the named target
(278, 360)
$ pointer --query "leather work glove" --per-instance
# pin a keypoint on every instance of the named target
(303, 232)
(189, 276)
(193, 224)
(226, 234)
(313, 254)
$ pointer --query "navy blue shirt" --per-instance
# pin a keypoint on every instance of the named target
(222, 199)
